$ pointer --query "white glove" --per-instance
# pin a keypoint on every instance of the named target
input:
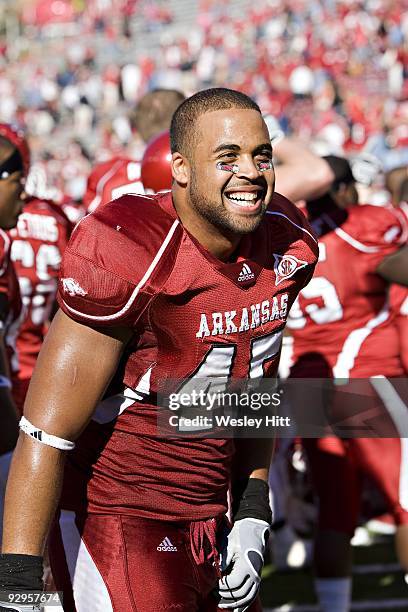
(365, 168)
(276, 134)
(242, 561)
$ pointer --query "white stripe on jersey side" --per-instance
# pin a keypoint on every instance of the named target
(352, 345)
(397, 410)
(90, 591)
(143, 386)
(6, 248)
(364, 248)
(132, 298)
(112, 407)
(278, 214)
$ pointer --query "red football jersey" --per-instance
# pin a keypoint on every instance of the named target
(399, 308)
(111, 180)
(10, 318)
(192, 315)
(342, 318)
(39, 239)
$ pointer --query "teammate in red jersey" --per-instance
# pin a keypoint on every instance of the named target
(399, 293)
(197, 283)
(120, 175)
(343, 328)
(14, 161)
(39, 239)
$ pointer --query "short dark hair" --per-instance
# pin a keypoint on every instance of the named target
(342, 171)
(183, 124)
(154, 111)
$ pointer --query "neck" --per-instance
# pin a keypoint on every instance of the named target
(219, 243)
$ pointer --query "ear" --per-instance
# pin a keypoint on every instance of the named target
(180, 169)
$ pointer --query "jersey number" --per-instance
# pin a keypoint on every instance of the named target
(214, 371)
(40, 297)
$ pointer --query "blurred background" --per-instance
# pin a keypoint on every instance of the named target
(333, 72)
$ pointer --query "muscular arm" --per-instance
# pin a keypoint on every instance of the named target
(73, 370)
(300, 174)
(394, 268)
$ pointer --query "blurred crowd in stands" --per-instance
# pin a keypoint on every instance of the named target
(332, 72)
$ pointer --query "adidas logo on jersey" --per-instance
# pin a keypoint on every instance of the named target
(72, 287)
(246, 274)
(166, 546)
(285, 266)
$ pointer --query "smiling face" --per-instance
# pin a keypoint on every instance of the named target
(231, 202)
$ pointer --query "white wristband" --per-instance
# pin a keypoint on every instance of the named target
(41, 436)
(5, 382)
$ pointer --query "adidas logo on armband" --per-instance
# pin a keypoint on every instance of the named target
(166, 546)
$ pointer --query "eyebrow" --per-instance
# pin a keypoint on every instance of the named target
(233, 147)
(226, 146)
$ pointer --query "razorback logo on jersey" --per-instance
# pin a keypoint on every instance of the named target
(285, 266)
(72, 287)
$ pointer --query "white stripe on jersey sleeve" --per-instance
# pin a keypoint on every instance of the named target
(143, 281)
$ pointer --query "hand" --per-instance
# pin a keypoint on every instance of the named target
(242, 561)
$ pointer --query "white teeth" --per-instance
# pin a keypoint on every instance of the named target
(241, 195)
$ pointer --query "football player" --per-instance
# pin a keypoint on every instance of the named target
(14, 162)
(121, 175)
(38, 241)
(399, 293)
(188, 288)
(343, 329)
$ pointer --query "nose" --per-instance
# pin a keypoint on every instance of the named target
(247, 168)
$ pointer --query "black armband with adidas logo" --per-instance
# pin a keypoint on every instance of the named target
(251, 500)
(21, 572)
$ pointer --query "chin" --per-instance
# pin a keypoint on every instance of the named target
(246, 226)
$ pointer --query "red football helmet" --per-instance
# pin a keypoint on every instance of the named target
(156, 168)
(16, 136)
